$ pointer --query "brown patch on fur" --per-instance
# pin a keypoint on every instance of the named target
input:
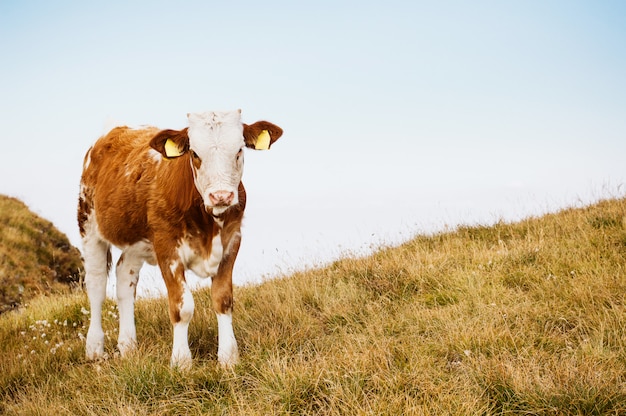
(176, 185)
(84, 209)
(109, 261)
(173, 282)
(118, 180)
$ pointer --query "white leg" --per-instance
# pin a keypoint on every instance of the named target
(127, 273)
(181, 355)
(227, 352)
(96, 254)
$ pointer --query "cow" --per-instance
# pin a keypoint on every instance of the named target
(172, 198)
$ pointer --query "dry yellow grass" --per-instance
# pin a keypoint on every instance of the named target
(524, 318)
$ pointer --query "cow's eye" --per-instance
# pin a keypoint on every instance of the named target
(196, 159)
(239, 154)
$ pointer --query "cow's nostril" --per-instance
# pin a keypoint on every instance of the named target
(221, 198)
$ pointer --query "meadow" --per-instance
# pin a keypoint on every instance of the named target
(511, 318)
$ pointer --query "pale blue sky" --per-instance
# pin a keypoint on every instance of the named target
(398, 115)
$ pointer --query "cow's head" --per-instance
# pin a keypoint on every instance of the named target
(214, 143)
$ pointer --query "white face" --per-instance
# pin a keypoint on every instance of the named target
(216, 142)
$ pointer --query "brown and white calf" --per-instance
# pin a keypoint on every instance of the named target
(172, 198)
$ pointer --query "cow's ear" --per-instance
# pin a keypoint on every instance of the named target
(261, 135)
(171, 143)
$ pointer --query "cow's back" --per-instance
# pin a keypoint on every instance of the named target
(117, 175)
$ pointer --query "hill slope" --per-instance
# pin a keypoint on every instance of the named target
(35, 257)
(524, 318)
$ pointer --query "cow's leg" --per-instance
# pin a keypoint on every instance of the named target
(222, 298)
(97, 258)
(181, 306)
(127, 273)
(181, 355)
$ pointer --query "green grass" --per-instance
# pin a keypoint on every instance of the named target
(523, 318)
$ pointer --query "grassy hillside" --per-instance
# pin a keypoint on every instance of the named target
(35, 257)
(524, 318)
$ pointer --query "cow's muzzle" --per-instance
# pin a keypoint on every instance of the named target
(221, 198)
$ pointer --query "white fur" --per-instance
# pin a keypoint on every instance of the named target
(221, 210)
(200, 266)
(87, 160)
(217, 252)
(235, 239)
(227, 352)
(181, 355)
(127, 274)
(95, 251)
(174, 266)
(217, 138)
(155, 156)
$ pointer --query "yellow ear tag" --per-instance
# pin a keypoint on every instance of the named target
(263, 141)
(171, 149)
